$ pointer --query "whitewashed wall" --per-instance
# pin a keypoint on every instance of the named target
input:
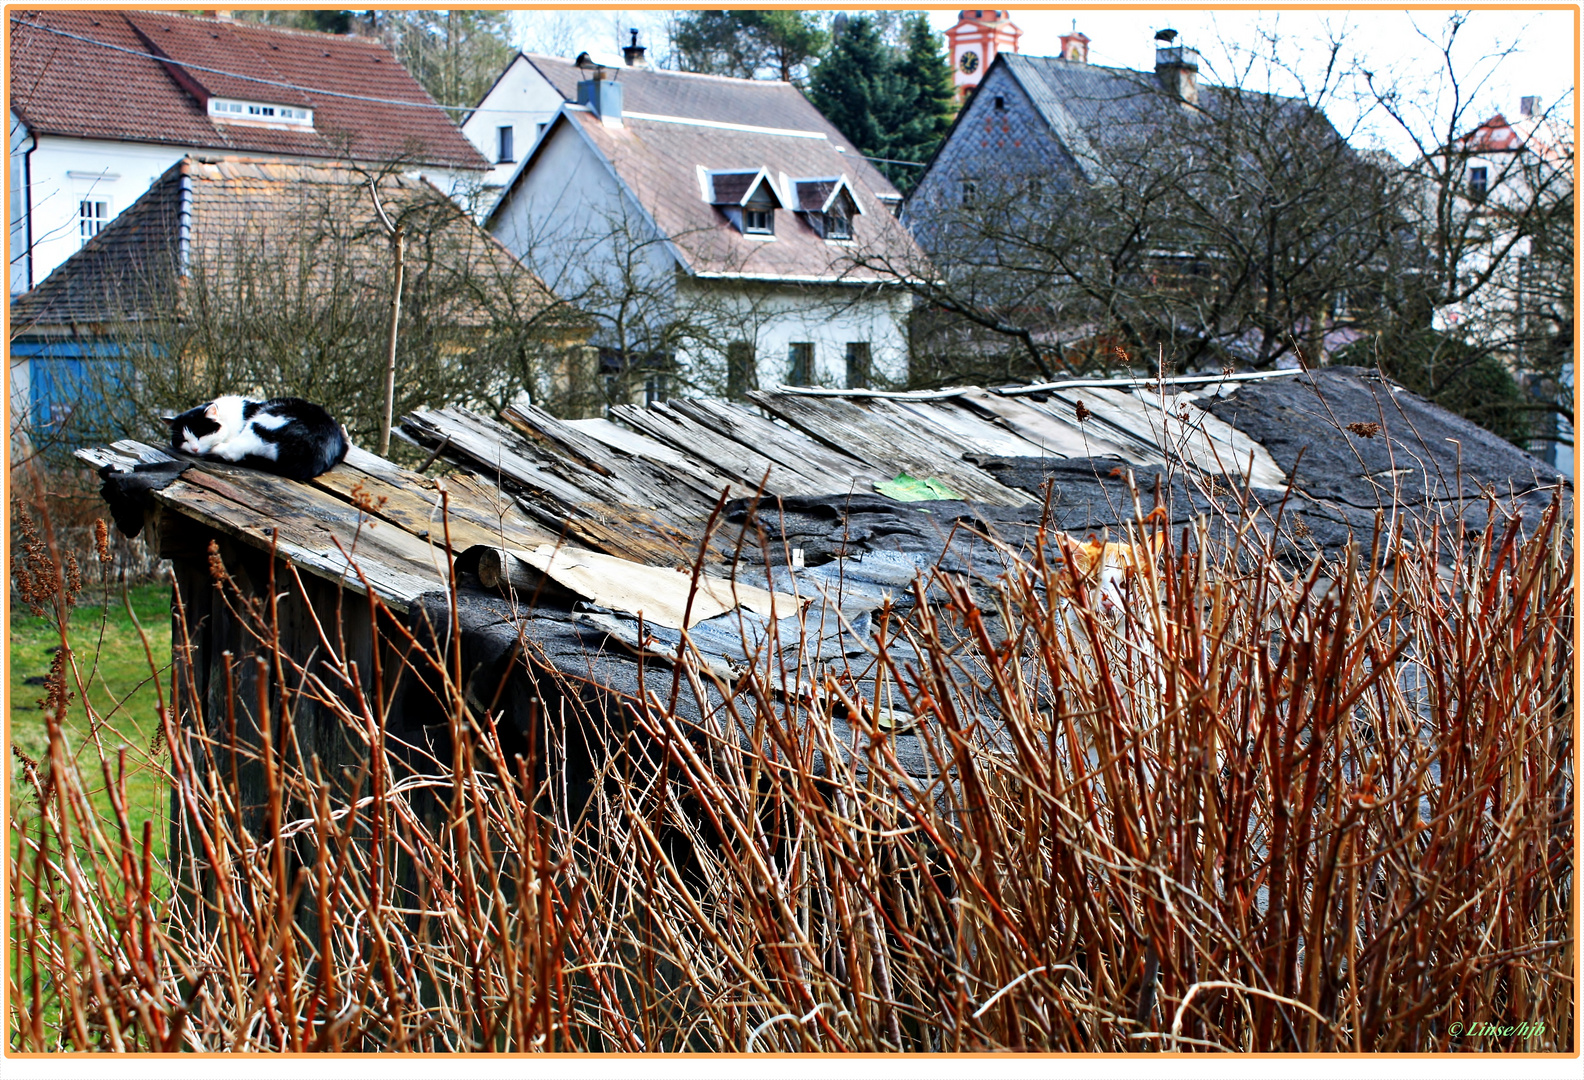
(523, 100)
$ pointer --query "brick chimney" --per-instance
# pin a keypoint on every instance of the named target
(1177, 68)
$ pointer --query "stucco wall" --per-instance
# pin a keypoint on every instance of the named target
(522, 99)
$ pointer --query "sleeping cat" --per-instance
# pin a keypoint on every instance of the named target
(289, 436)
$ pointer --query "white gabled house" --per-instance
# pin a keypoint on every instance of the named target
(720, 230)
(103, 102)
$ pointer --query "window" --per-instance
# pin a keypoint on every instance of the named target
(654, 387)
(758, 221)
(226, 110)
(801, 357)
(740, 369)
(1000, 102)
(859, 365)
(1478, 182)
(503, 143)
(91, 217)
(969, 189)
(838, 226)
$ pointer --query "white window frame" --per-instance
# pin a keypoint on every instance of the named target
(89, 223)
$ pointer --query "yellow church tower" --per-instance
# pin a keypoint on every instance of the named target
(974, 42)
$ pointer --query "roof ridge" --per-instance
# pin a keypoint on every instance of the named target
(250, 25)
(670, 73)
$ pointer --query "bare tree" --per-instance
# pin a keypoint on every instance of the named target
(1229, 226)
(1484, 318)
(297, 301)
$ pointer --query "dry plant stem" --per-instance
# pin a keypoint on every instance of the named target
(1259, 810)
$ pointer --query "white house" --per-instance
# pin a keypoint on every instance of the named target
(721, 231)
(104, 102)
(1515, 172)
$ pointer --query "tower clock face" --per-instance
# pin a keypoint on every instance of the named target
(969, 62)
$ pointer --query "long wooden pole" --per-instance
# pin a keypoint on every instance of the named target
(399, 244)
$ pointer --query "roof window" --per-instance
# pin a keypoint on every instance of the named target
(747, 198)
(232, 111)
(828, 204)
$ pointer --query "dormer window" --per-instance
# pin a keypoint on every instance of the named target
(838, 224)
(228, 110)
(747, 198)
(828, 204)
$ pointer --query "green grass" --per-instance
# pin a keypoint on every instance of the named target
(114, 667)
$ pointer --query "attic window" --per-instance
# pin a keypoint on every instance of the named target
(748, 199)
(1000, 102)
(230, 110)
(828, 204)
(838, 222)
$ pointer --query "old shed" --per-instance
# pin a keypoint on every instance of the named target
(569, 558)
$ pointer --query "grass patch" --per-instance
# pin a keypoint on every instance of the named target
(114, 669)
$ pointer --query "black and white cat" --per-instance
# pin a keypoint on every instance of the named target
(289, 436)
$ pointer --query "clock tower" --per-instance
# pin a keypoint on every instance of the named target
(974, 42)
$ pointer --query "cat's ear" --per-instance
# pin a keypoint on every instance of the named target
(213, 411)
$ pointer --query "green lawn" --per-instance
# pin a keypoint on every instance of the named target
(113, 666)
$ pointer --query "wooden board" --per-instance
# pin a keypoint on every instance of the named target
(889, 446)
(981, 435)
(831, 470)
(746, 467)
(1060, 434)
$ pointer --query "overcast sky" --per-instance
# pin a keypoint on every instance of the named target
(1399, 47)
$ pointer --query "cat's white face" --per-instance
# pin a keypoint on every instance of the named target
(225, 411)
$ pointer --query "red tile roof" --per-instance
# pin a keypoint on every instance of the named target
(76, 86)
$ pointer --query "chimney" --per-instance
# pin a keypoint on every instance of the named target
(1075, 46)
(634, 53)
(1177, 68)
(1529, 106)
(600, 91)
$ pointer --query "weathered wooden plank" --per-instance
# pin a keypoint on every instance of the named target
(1058, 435)
(1217, 446)
(494, 450)
(418, 512)
(746, 467)
(885, 445)
(830, 470)
(307, 545)
(644, 482)
(972, 430)
(659, 594)
(1128, 426)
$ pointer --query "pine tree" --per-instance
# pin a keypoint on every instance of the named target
(892, 103)
(925, 78)
(856, 87)
(749, 44)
